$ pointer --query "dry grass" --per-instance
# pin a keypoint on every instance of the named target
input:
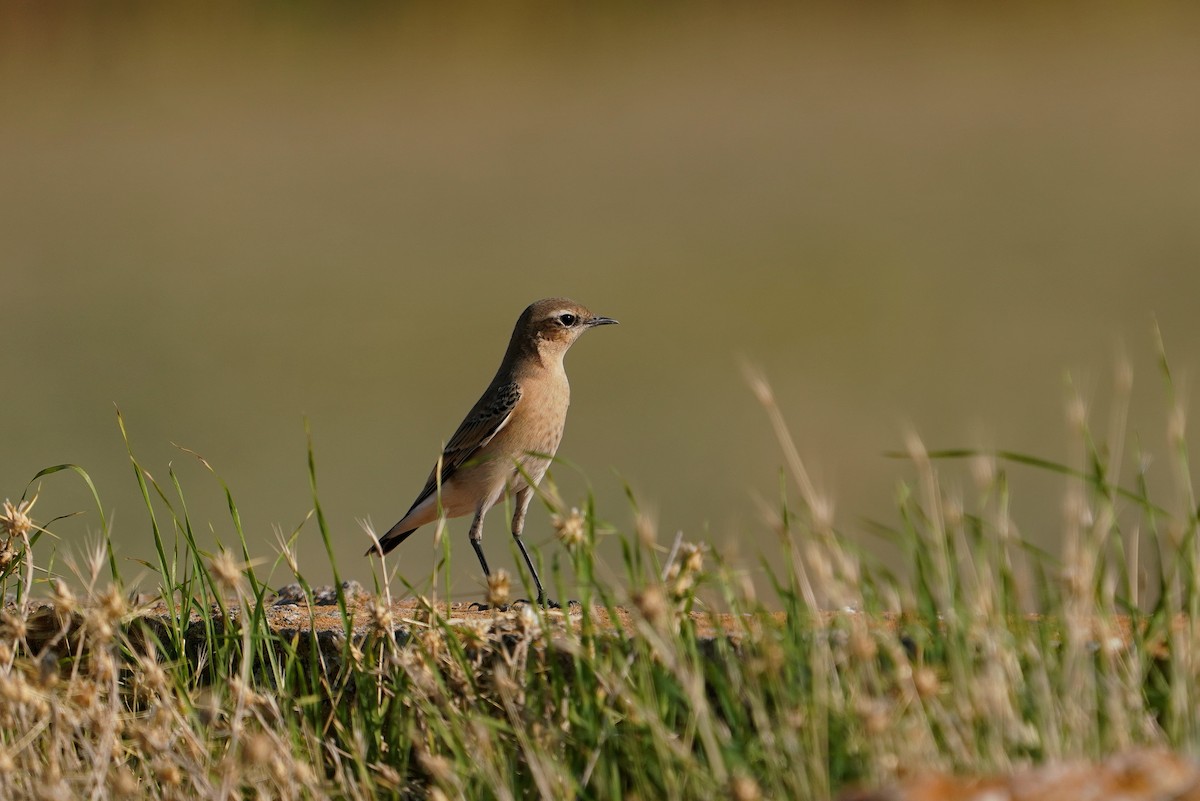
(674, 682)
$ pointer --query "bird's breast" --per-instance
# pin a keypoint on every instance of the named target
(539, 420)
(532, 437)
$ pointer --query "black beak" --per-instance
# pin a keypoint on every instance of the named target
(601, 321)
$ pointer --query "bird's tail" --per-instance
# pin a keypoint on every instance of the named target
(390, 540)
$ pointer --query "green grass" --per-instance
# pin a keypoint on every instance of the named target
(869, 673)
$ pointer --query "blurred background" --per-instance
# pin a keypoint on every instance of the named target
(227, 218)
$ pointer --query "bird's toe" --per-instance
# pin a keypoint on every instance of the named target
(482, 607)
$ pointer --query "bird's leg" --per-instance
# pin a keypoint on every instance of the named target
(477, 543)
(522, 499)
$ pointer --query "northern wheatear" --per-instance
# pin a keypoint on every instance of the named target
(509, 437)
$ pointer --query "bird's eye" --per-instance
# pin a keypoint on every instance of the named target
(567, 319)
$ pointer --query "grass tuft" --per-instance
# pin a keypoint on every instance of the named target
(671, 679)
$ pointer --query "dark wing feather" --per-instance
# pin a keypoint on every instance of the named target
(487, 417)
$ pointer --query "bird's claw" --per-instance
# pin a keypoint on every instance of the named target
(547, 603)
(482, 607)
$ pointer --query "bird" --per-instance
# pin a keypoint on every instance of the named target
(506, 442)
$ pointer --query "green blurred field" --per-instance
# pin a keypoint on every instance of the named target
(225, 218)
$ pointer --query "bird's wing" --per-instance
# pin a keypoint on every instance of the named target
(491, 413)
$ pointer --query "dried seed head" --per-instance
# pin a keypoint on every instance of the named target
(258, 750)
(647, 530)
(288, 552)
(15, 520)
(691, 557)
(863, 646)
(682, 584)
(1077, 413)
(498, 589)
(744, 788)
(571, 528)
(153, 677)
(168, 773)
(12, 687)
(387, 775)
(983, 471)
(63, 599)
(381, 616)
(38, 705)
(652, 604)
(226, 570)
(304, 774)
(528, 618)
(822, 510)
(84, 694)
(14, 625)
(874, 716)
(104, 668)
(916, 449)
(123, 783)
(926, 682)
(473, 633)
(99, 626)
(431, 642)
(113, 604)
(208, 708)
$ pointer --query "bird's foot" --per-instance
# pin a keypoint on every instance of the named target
(547, 603)
(482, 607)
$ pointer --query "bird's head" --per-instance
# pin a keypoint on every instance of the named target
(553, 324)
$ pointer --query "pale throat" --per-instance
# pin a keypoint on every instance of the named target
(551, 355)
